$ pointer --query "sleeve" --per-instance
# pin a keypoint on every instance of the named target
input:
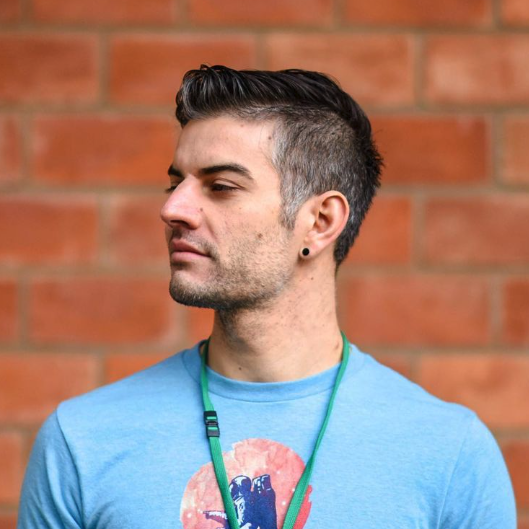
(480, 494)
(51, 497)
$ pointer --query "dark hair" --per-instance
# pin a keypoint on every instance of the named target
(322, 138)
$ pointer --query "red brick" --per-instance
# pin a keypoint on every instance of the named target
(516, 453)
(495, 386)
(397, 362)
(433, 150)
(374, 69)
(104, 150)
(12, 465)
(385, 236)
(9, 325)
(136, 233)
(200, 323)
(102, 12)
(109, 310)
(415, 310)
(272, 12)
(523, 521)
(8, 520)
(515, 12)
(121, 365)
(477, 69)
(32, 385)
(10, 150)
(417, 13)
(48, 229)
(10, 11)
(477, 230)
(147, 69)
(515, 316)
(516, 153)
(48, 68)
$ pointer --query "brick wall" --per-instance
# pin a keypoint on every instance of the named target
(438, 283)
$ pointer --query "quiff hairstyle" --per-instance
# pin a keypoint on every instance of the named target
(322, 138)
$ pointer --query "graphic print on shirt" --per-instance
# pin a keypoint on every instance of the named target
(262, 474)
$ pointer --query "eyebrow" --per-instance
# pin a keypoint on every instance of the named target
(212, 169)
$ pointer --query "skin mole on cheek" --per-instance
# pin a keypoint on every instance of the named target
(259, 235)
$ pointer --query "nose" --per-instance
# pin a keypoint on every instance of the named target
(182, 207)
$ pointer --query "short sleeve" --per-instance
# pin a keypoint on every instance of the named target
(480, 494)
(51, 496)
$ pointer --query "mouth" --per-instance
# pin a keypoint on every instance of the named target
(182, 251)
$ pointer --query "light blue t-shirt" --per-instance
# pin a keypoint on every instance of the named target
(134, 455)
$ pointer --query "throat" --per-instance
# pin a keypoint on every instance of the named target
(282, 355)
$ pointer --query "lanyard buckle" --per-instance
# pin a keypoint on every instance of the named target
(212, 424)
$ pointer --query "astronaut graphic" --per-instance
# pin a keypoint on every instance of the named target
(263, 475)
(254, 501)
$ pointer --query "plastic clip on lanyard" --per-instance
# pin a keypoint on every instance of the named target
(213, 434)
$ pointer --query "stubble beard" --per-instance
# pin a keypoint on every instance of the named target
(246, 283)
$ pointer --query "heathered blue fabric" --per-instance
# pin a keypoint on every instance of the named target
(394, 456)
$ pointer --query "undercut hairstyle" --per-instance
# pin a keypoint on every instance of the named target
(322, 139)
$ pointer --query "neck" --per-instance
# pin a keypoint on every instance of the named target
(293, 337)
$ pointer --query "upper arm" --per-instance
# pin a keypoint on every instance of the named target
(51, 496)
(480, 494)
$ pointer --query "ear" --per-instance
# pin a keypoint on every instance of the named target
(327, 215)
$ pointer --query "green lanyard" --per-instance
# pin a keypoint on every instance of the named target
(213, 434)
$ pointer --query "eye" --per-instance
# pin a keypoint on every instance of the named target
(169, 190)
(222, 187)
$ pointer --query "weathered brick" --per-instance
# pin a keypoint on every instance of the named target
(272, 12)
(11, 466)
(48, 68)
(136, 233)
(417, 13)
(477, 69)
(515, 12)
(102, 12)
(121, 365)
(9, 322)
(148, 69)
(495, 386)
(385, 236)
(8, 520)
(102, 310)
(523, 521)
(10, 150)
(432, 149)
(516, 453)
(48, 229)
(10, 11)
(33, 384)
(415, 310)
(398, 362)
(515, 313)
(515, 151)
(477, 230)
(374, 69)
(102, 150)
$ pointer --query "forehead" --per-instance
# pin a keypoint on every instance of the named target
(224, 139)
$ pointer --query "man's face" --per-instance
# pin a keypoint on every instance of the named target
(227, 247)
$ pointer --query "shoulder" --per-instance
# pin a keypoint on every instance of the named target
(139, 397)
(388, 389)
(409, 414)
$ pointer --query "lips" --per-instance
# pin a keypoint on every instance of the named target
(179, 246)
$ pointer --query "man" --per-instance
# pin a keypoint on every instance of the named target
(271, 178)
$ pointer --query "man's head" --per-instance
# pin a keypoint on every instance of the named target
(322, 139)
